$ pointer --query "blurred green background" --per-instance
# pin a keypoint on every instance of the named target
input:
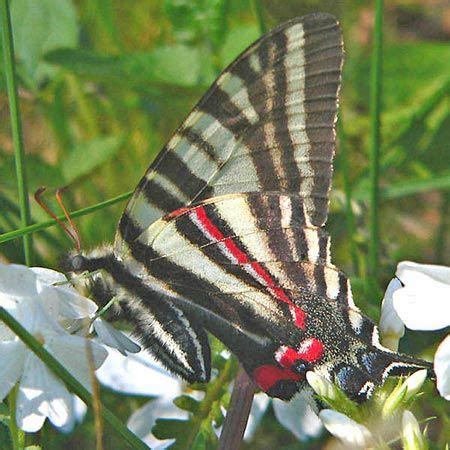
(104, 83)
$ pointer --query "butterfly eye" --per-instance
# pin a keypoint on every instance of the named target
(78, 263)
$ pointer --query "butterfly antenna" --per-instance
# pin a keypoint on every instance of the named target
(73, 232)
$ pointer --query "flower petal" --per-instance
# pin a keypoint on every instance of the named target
(62, 301)
(71, 352)
(41, 395)
(143, 420)
(138, 374)
(16, 281)
(391, 326)
(79, 412)
(259, 407)
(299, 415)
(12, 357)
(442, 368)
(408, 270)
(353, 434)
(114, 338)
(423, 305)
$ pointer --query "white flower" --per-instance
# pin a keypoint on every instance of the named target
(42, 308)
(442, 368)
(138, 374)
(420, 299)
(411, 435)
(423, 303)
(299, 415)
(391, 326)
(351, 433)
(143, 420)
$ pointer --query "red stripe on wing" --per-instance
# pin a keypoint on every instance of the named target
(242, 258)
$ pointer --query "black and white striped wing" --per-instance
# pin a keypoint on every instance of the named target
(266, 124)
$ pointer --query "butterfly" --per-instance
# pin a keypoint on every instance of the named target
(224, 233)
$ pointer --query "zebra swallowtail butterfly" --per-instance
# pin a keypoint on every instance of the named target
(224, 233)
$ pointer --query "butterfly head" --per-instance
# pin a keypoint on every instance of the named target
(79, 262)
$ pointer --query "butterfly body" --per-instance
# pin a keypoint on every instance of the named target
(224, 233)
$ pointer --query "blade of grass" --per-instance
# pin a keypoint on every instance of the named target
(71, 382)
(408, 187)
(375, 106)
(16, 124)
(258, 11)
(49, 223)
(351, 229)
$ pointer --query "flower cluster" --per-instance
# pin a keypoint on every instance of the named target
(58, 317)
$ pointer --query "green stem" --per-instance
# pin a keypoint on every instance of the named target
(16, 125)
(350, 218)
(5, 237)
(71, 382)
(258, 11)
(17, 435)
(375, 94)
(212, 394)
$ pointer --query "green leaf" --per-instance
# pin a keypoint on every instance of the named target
(168, 428)
(5, 437)
(187, 403)
(86, 157)
(217, 414)
(41, 26)
(193, 20)
(177, 65)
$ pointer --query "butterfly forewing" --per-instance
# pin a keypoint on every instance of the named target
(266, 124)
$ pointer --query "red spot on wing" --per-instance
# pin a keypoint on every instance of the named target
(267, 376)
(242, 258)
(310, 350)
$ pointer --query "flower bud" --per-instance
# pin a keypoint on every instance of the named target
(411, 435)
(321, 385)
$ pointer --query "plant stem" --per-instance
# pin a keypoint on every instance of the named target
(211, 395)
(257, 9)
(375, 95)
(238, 412)
(71, 382)
(17, 435)
(16, 124)
(350, 218)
